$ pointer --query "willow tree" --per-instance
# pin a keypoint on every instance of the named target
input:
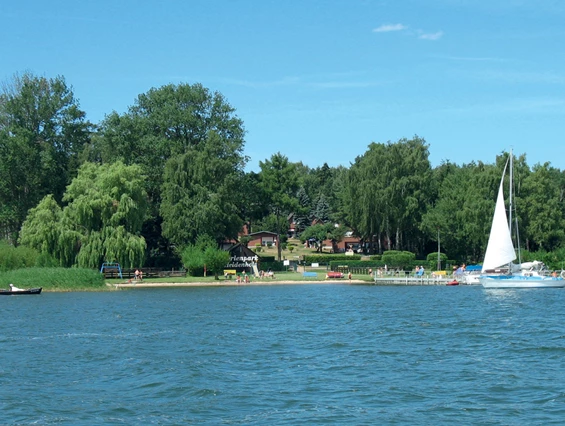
(102, 220)
(386, 192)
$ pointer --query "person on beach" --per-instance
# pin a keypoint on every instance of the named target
(136, 274)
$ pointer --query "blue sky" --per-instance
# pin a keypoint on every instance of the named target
(319, 80)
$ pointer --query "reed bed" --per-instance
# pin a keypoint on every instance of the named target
(54, 279)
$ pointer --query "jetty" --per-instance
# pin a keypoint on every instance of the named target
(414, 280)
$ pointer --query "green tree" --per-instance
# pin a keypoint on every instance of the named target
(189, 143)
(322, 232)
(542, 210)
(322, 212)
(253, 201)
(201, 193)
(42, 136)
(105, 209)
(462, 209)
(216, 260)
(193, 260)
(303, 211)
(279, 180)
(386, 192)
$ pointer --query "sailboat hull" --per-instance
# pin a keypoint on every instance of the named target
(513, 281)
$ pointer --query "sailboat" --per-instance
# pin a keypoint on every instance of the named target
(500, 252)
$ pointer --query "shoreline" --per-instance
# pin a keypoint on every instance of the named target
(234, 283)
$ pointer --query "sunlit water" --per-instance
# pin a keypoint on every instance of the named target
(284, 355)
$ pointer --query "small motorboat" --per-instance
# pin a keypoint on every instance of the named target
(19, 291)
(453, 282)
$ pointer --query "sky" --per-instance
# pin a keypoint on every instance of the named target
(318, 80)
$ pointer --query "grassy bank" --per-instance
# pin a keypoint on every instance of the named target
(54, 279)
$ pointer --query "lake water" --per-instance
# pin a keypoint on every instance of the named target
(284, 355)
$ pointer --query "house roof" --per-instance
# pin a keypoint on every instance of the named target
(262, 232)
(241, 250)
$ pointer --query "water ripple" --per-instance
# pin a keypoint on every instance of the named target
(285, 355)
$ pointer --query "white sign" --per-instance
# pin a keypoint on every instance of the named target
(286, 262)
(315, 265)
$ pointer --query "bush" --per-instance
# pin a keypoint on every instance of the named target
(16, 257)
(334, 264)
(274, 266)
(193, 261)
(244, 239)
(431, 260)
(398, 259)
(216, 260)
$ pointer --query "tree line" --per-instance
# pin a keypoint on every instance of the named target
(144, 186)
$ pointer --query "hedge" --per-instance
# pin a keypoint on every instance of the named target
(274, 266)
(326, 259)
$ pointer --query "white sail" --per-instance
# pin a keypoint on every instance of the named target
(500, 250)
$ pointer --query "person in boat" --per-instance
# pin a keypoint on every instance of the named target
(14, 288)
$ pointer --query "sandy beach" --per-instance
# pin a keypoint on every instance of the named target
(221, 283)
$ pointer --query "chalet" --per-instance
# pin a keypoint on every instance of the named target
(262, 238)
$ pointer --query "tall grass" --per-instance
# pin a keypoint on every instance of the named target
(54, 279)
(16, 257)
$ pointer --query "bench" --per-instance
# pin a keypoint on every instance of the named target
(229, 272)
(334, 275)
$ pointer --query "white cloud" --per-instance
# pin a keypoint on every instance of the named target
(389, 27)
(431, 36)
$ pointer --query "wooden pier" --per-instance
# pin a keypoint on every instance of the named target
(412, 280)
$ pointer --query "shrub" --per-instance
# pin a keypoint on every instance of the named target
(193, 261)
(431, 260)
(398, 259)
(274, 266)
(16, 257)
(327, 258)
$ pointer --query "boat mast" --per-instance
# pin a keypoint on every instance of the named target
(511, 208)
(510, 192)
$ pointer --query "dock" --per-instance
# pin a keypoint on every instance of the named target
(412, 280)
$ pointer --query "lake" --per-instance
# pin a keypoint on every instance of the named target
(284, 355)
